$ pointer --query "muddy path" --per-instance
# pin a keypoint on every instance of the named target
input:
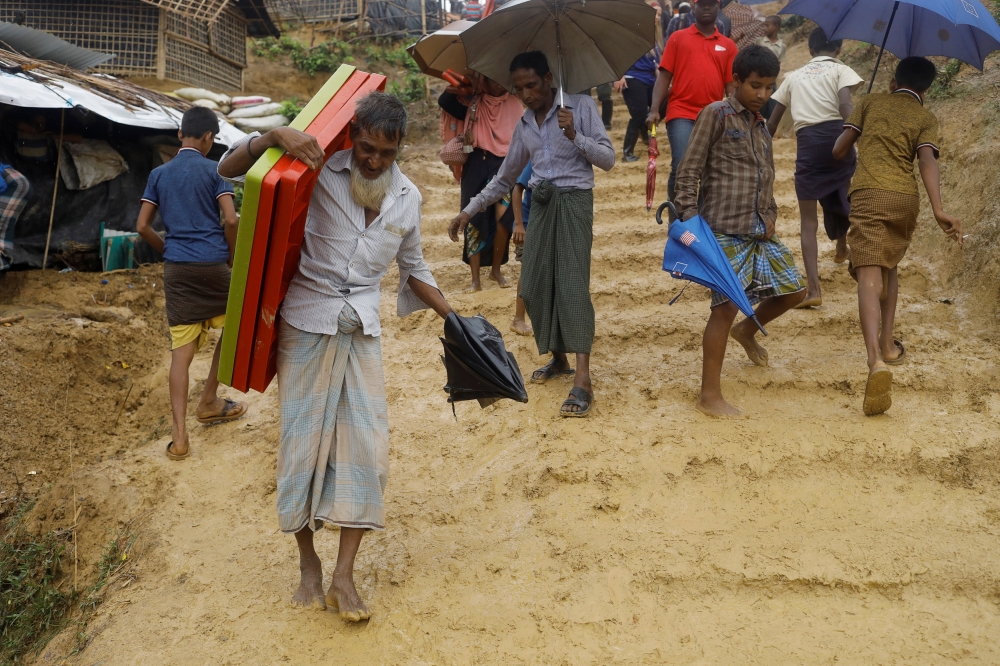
(648, 533)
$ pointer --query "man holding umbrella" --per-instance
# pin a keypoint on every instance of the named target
(564, 144)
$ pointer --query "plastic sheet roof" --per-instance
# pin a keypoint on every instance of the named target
(45, 46)
(21, 90)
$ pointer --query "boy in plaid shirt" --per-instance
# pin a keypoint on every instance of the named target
(729, 161)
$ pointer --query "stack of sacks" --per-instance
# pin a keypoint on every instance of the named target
(256, 113)
(206, 98)
(252, 113)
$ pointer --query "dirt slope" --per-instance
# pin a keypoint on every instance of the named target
(806, 533)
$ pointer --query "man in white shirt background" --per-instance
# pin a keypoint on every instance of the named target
(818, 95)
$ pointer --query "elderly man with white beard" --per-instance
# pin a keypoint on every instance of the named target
(333, 459)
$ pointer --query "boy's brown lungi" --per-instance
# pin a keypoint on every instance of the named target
(882, 224)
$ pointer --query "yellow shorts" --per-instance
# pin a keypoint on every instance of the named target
(188, 333)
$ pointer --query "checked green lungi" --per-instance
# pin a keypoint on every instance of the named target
(765, 267)
(333, 459)
(555, 273)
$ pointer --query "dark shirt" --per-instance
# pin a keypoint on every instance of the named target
(686, 20)
(449, 102)
(187, 189)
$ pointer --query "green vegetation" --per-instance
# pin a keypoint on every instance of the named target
(329, 55)
(32, 607)
(291, 108)
(942, 86)
(115, 565)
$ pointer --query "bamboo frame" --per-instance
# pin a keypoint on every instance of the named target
(148, 38)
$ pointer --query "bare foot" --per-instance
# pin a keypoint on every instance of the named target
(754, 351)
(500, 279)
(476, 286)
(343, 596)
(520, 327)
(310, 592)
(810, 301)
(717, 407)
(843, 254)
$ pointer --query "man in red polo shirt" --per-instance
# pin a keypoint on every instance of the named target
(696, 69)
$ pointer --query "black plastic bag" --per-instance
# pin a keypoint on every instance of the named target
(479, 366)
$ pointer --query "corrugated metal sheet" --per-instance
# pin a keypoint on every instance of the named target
(44, 46)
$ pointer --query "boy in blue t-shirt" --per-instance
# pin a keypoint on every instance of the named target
(521, 209)
(189, 194)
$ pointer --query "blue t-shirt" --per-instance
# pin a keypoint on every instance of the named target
(526, 202)
(187, 191)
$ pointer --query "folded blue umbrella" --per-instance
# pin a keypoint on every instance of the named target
(962, 29)
(693, 254)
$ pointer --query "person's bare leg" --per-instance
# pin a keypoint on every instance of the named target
(500, 239)
(714, 342)
(342, 594)
(878, 392)
(769, 309)
(519, 325)
(810, 252)
(210, 402)
(888, 311)
(843, 254)
(310, 592)
(474, 263)
(180, 363)
(870, 311)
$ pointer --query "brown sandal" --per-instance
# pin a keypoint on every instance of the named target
(230, 411)
(174, 456)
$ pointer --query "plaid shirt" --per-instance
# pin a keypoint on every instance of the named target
(748, 24)
(729, 161)
(12, 203)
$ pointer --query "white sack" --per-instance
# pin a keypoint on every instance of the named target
(250, 100)
(194, 94)
(207, 103)
(90, 162)
(265, 124)
(256, 111)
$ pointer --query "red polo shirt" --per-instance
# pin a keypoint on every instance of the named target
(702, 66)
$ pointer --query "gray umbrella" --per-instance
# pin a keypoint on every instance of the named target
(587, 42)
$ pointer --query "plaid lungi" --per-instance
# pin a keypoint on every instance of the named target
(765, 267)
(882, 224)
(12, 203)
(555, 272)
(333, 460)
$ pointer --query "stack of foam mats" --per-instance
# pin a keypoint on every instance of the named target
(272, 226)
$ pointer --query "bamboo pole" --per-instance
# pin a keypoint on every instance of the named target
(423, 31)
(55, 188)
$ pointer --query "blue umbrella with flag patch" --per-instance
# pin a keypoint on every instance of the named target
(962, 29)
(693, 254)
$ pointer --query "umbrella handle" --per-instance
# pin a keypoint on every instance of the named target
(757, 321)
(659, 211)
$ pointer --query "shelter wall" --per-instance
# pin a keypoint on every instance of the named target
(147, 41)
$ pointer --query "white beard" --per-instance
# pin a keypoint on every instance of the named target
(369, 193)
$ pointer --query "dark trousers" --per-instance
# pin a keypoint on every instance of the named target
(638, 98)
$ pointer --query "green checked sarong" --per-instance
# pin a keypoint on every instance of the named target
(765, 267)
(555, 273)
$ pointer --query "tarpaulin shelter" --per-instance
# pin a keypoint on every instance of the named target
(139, 124)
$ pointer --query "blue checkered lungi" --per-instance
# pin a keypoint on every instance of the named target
(333, 460)
(765, 267)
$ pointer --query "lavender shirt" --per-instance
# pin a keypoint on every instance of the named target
(564, 163)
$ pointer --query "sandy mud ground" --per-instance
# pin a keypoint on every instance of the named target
(805, 534)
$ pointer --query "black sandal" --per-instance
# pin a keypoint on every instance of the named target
(578, 397)
(548, 372)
